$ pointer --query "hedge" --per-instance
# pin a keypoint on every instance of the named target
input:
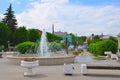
(27, 47)
(53, 46)
(100, 47)
(31, 47)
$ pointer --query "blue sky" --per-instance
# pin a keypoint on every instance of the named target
(21, 5)
(82, 17)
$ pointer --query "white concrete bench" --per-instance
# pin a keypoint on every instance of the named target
(109, 54)
(114, 56)
(68, 69)
(84, 68)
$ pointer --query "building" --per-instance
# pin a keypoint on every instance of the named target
(65, 36)
(102, 36)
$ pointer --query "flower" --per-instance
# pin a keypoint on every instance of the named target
(30, 59)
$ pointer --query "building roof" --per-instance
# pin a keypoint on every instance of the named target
(59, 33)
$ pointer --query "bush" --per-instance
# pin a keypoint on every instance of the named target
(94, 41)
(100, 47)
(77, 52)
(53, 46)
(27, 47)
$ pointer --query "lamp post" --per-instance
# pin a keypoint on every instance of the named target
(118, 37)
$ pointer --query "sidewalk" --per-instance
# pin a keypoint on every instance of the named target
(54, 72)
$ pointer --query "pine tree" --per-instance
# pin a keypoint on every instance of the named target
(9, 19)
(11, 22)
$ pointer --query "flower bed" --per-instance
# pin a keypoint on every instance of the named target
(30, 59)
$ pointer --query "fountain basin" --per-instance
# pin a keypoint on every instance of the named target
(43, 60)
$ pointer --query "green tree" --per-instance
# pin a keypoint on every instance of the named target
(74, 39)
(20, 35)
(96, 37)
(4, 33)
(81, 40)
(9, 19)
(33, 35)
(113, 39)
(52, 37)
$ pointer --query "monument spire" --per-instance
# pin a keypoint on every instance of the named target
(52, 28)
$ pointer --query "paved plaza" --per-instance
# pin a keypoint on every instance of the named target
(55, 72)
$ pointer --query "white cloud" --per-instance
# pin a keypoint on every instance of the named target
(1, 16)
(81, 20)
(12, 0)
(15, 1)
(55, 1)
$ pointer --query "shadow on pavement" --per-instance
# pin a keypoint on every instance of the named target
(104, 75)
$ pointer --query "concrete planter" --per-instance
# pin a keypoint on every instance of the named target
(29, 65)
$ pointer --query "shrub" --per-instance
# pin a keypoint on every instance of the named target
(94, 41)
(100, 47)
(27, 47)
(77, 52)
(53, 46)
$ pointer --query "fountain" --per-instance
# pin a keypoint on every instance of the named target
(44, 56)
(43, 47)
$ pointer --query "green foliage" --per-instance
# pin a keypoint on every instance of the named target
(94, 41)
(62, 45)
(9, 19)
(11, 22)
(113, 39)
(53, 47)
(73, 38)
(20, 35)
(33, 35)
(100, 47)
(96, 37)
(4, 33)
(52, 37)
(27, 47)
(81, 40)
(77, 52)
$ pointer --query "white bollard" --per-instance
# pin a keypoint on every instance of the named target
(108, 54)
(84, 69)
(68, 69)
(114, 56)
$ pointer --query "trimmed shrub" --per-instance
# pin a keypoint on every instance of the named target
(94, 41)
(100, 47)
(53, 46)
(27, 47)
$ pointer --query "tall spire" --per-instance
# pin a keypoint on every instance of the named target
(52, 28)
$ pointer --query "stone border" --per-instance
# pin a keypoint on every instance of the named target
(43, 61)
